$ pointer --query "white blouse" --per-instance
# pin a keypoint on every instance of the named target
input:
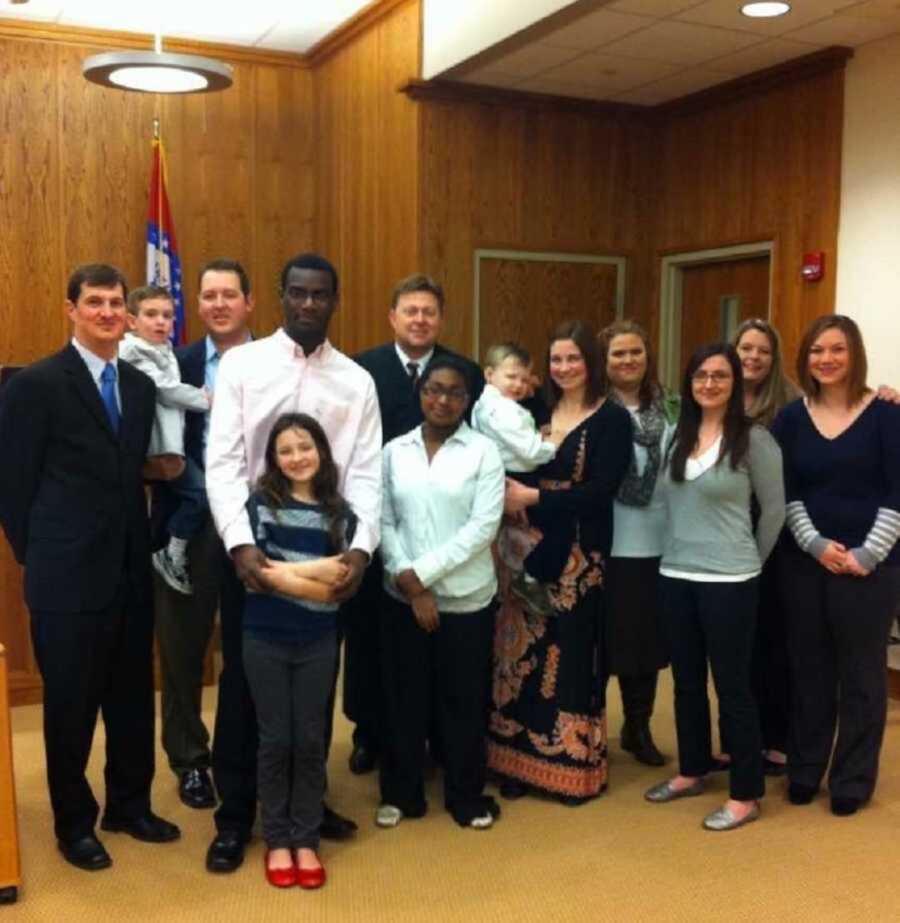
(440, 519)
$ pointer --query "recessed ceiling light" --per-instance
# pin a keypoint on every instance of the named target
(765, 10)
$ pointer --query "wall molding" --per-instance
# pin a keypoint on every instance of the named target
(345, 33)
(109, 39)
(828, 59)
(448, 90)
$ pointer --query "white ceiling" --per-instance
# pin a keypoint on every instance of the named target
(281, 25)
(651, 51)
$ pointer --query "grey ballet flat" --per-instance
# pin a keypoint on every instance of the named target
(724, 819)
(664, 791)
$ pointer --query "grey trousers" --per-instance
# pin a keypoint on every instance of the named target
(184, 625)
(291, 688)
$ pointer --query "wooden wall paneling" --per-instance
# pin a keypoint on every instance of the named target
(763, 167)
(284, 181)
(31, 298)
(527, 177)
(366, 170)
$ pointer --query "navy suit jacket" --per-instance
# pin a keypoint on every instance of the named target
(71, 490)
(192, 363)
(399, 405)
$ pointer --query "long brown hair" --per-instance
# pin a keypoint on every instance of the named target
(859, 365)
(276, 488)
(777, 390)
(583, 336)
(650, 389)
(735, 426)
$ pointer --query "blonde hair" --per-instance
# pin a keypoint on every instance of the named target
(777, 389)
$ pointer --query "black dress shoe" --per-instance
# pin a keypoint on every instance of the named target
(148, 828)
(637, 740)
(362, 760)
(335, 827)
(195, 789)
(226, 852)
(801, 794)
(85, 853)
(844, 807)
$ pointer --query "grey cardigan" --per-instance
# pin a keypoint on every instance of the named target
(709, 527)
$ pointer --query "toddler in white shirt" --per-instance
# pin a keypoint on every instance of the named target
(498, 415)
(150, 318)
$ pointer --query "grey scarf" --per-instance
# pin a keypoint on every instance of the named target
(637, 489)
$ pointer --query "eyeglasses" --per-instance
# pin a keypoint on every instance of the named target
(319, 296)
(452, 394)
(717, 378)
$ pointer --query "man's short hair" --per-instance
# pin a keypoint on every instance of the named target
(310, 261)
(145, 293)
(225, 265)
(418, 282)
(499, 352)
(101, 275)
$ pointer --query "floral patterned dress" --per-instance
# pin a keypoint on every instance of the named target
(548, 720)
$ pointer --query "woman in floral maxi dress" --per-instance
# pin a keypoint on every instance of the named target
(548, 724)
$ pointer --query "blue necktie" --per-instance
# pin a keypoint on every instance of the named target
(108, 393)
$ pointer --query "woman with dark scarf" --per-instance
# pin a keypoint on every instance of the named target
(635, 647)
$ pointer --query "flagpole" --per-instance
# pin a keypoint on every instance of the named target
(162, 179)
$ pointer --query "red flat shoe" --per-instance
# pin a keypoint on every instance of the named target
(311, 878)
(280, 878)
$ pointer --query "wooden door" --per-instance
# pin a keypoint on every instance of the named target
(524, 300)
(717, 297)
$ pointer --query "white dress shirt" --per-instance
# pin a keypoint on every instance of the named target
(255, 384)
(419, 363)
(440, 519)
(512, 427)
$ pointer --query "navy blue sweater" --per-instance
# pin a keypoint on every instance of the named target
(295, 532)
(843, 482)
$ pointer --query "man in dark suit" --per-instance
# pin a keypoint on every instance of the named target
(184, 624)
(416, 316)
(75, 428)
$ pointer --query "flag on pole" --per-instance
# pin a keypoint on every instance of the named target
(163, 263)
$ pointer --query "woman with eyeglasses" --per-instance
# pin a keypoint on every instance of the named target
(548, 723)
(443, 500)
(710, 568)
(841, 571)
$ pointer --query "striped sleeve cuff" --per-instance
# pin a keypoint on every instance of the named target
(803, 530)
(881, 539)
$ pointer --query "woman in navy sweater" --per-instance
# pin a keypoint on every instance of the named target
(840, 574)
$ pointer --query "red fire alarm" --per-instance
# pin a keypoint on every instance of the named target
(813, 266)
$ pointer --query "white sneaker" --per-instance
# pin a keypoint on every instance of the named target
(484, 822)
(173, 572)
(388, 815)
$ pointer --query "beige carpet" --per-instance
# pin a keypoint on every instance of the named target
(618, 858)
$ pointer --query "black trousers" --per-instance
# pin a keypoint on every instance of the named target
(184, 625)
(715, 622)
(235, 739)
(92, 662)
(363, 695)
(838, 629)
(451, 668)
(770, 668)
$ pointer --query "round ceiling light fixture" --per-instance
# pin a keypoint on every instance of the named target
(157, 71)
(767, 10)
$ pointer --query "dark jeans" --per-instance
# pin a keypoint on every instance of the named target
(291, 686)
(184, 625)
(838, 628)
(451, 666)
(715, 622)
(193, 510)
(94, 662)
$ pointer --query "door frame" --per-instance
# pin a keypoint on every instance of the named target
(672, 266)
(541, 256)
